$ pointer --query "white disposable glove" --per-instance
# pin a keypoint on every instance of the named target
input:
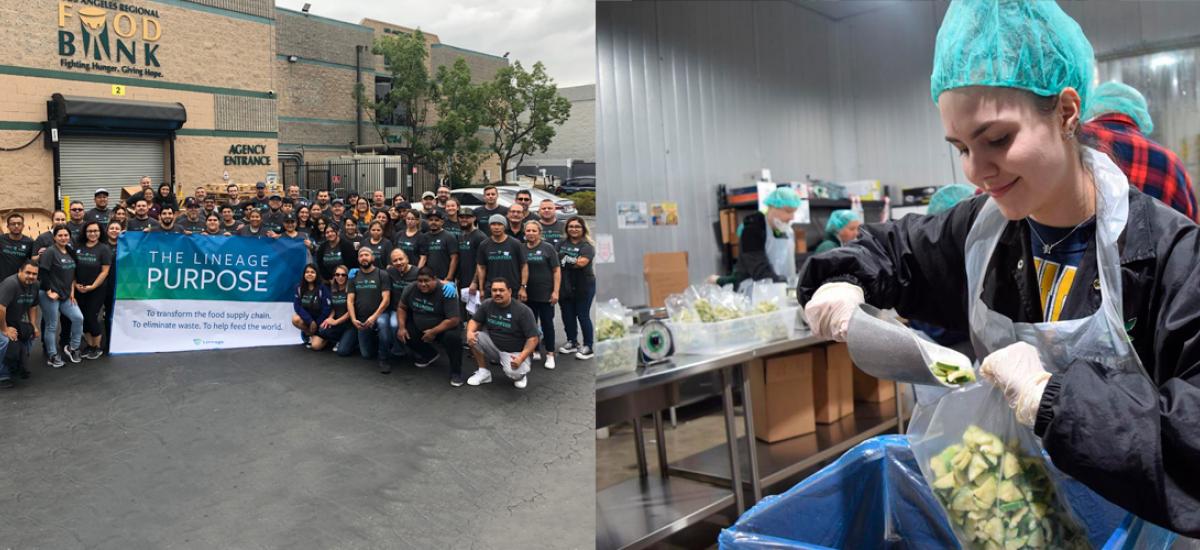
(830, 309)
(1017, 370)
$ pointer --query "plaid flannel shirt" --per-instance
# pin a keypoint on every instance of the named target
(1152, 168)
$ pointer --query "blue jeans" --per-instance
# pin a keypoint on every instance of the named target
(544, 312)
(578, 308)
(397, 348)
(348, 341)
(50, 312)
(377, 340)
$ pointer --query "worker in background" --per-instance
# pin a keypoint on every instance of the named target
(1102, 359)
(841, 228)
(766, 254)
(1118, 122)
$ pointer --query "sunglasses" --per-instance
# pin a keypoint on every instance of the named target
(77, 210)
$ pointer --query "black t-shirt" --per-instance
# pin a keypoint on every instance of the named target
(18, 298)
(482, 213)
(453, 228)
(509, 327)
(411, 245)
(502, 259)
(519, 234)
(382, 250)
(468, 249)
(330, 256)
(247, 231)
(399, 282)
(44, 241)
(187, 224)
(75, 228)
(90, 260)
(368, 291)
(573, 276)
(14, 253)
(437, 249)
(136, 224)
(310, 300)
(337, 303)
(57, 271)
(554, 233)
(428, 310)
(542, 260)
(175, 228)
(231, 228)
(98, 215)
(273, 221)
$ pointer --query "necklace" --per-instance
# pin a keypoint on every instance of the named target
(1049, 248)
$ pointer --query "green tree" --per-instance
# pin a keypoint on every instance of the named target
(523, 109)
(456, 148)
(405, 56)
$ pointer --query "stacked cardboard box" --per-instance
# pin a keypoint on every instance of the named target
(781, 390)
(666, 273)
(833, 383)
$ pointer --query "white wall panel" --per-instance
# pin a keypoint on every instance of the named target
(694, 94)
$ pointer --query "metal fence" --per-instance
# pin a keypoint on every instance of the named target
(363, 175)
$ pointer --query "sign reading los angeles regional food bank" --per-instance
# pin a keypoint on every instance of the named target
(109, 37)
(192, 292)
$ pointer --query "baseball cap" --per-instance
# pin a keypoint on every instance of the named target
(497, 218)
(428, 195)
(289, 218)
(404, 206)
(101, 191)
(466, 213)
(190, 202)
(275, 197)
(435, 212)
(339, 201)
(260, 185)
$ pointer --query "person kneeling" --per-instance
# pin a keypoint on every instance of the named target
(503, 331)
(435, 318)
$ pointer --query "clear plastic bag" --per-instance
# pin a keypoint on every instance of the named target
(611, 321)
(989, 474)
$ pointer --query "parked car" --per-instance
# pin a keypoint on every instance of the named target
(472, 197)
(576, 185)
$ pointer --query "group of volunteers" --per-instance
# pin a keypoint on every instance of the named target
(1072, 266)
(384, 278)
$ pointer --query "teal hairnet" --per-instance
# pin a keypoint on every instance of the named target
(1026, 44)
(783, 197)
(948, 196)
(839, 219)
(1115, 97)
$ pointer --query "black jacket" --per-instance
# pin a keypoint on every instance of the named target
(752, 255)
(1132, 438)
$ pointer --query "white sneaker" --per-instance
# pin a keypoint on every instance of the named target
(584, 353)
(537, 356)
(568, 348)
(481, 376)
(549, 362)
(520, 384)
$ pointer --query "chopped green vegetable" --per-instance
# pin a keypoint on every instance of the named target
(609, 329)
(952, 374)
(996, 498)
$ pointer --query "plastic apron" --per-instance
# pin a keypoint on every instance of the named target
(1100, 337)
(781, 252)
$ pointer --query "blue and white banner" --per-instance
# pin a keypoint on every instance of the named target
(194, 292)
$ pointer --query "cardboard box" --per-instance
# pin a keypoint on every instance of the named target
(801, 238)
(872, 390)
(729, 224)
(781, 393)
(666, 273)
(833, 383)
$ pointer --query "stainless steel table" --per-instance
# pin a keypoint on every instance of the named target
(644, 510)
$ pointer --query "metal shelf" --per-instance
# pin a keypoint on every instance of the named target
(639, 512)
(784, 459)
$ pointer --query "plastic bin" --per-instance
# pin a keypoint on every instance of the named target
(617, 356)
(726, 336)
(875, 497)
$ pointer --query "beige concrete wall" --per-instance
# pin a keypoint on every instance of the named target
(23, 98)
(201, 160)
(314, 91)
(27, 180)
(195, 47)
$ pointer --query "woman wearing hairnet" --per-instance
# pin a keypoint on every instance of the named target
(1079, 291)
(768, 243)
(841, 228)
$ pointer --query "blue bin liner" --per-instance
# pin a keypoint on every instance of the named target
(874, 496)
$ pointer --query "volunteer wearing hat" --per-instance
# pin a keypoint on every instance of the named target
(768, 243)
(429, 205)
(842, 227)
(1118, 121)
(100, 212)
(502, 257)
(337, 213)
(192, 221)
(273, 215)
(438, 249)
(260, 200)
(1078, 290)
(468, 251)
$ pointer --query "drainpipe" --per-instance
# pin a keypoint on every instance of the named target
(358, 111)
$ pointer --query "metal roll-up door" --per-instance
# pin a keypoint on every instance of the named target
(87, 163)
